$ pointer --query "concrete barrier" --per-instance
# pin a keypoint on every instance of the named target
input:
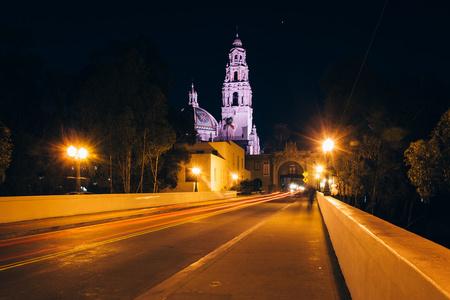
(13, 209)
(382, 261)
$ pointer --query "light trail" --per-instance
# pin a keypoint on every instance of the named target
(138, 220)
(103, 240)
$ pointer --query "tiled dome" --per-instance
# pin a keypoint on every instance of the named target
(204, 120)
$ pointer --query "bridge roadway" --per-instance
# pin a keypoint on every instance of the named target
(285, 255)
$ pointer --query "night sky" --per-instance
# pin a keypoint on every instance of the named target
(288, 45)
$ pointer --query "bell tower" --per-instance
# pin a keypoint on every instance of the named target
(237, 100)
(237, 93)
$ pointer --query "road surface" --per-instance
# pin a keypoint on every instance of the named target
(158, 256)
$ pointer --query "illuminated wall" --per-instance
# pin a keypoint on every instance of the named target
(217, 162)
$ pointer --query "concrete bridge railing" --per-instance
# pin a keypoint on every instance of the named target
(13, 209)
(382, 261)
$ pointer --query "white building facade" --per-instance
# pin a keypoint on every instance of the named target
(236, 123)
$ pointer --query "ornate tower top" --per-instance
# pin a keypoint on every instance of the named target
(237, 55)
(237, 42)
(193, 97)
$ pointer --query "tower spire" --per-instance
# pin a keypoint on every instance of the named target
(193, 96)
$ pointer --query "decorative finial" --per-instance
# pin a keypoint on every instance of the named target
(237, 31)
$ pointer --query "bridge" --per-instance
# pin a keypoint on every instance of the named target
(377, 259)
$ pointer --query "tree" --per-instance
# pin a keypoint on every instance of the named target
(229, 127)
(429, 161)
(168, 178)
(281, 133)
(159, 135)
(182, 122)
(6, 148)
(371, 138)
(122, 103)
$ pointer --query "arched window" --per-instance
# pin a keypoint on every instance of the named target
(236, 76)
(235, 99)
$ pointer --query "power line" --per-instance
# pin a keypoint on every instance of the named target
(362, 64)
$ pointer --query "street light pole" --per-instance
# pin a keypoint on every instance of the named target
(196, 171)
(327, 147)
(78, 175)
(235, 177)
(78, 155)
(317, 182)
(326, 190)
(319, 170)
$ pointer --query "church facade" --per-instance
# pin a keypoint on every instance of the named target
(236, 123)
(230, 148)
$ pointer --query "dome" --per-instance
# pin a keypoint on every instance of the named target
(204, 120)
(237, 42)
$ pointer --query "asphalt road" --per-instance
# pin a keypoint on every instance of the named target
(134, 257)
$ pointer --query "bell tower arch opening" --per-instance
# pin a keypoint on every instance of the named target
(235, 99)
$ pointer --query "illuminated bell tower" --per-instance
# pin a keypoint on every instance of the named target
(237, 101)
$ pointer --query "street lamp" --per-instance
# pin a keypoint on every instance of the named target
(327, 147)
(196, 171)
(319, 170)
(235, 177)
(78, 155)
(317, 180)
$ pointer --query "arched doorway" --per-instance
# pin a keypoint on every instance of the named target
(290, 172)
(257, 184)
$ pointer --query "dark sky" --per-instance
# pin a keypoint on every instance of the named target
(288, 45)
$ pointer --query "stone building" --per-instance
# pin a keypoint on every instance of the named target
(217, 162)
(236, 123)
(276, 171)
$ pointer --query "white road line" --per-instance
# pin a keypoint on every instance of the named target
(170, 285)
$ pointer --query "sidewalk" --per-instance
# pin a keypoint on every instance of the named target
(287, 257)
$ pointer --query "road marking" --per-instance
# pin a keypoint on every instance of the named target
(172, 284)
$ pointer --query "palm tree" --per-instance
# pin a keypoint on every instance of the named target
(229, 124)
(281, 133)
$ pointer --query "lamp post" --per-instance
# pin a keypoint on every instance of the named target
(78, 155)
(196, 171)
(317, 182)
(327, 147)
(319, 170)
(235, 177)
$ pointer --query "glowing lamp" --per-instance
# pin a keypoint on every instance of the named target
(328, 145)
(72, 151)
(82, 153)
